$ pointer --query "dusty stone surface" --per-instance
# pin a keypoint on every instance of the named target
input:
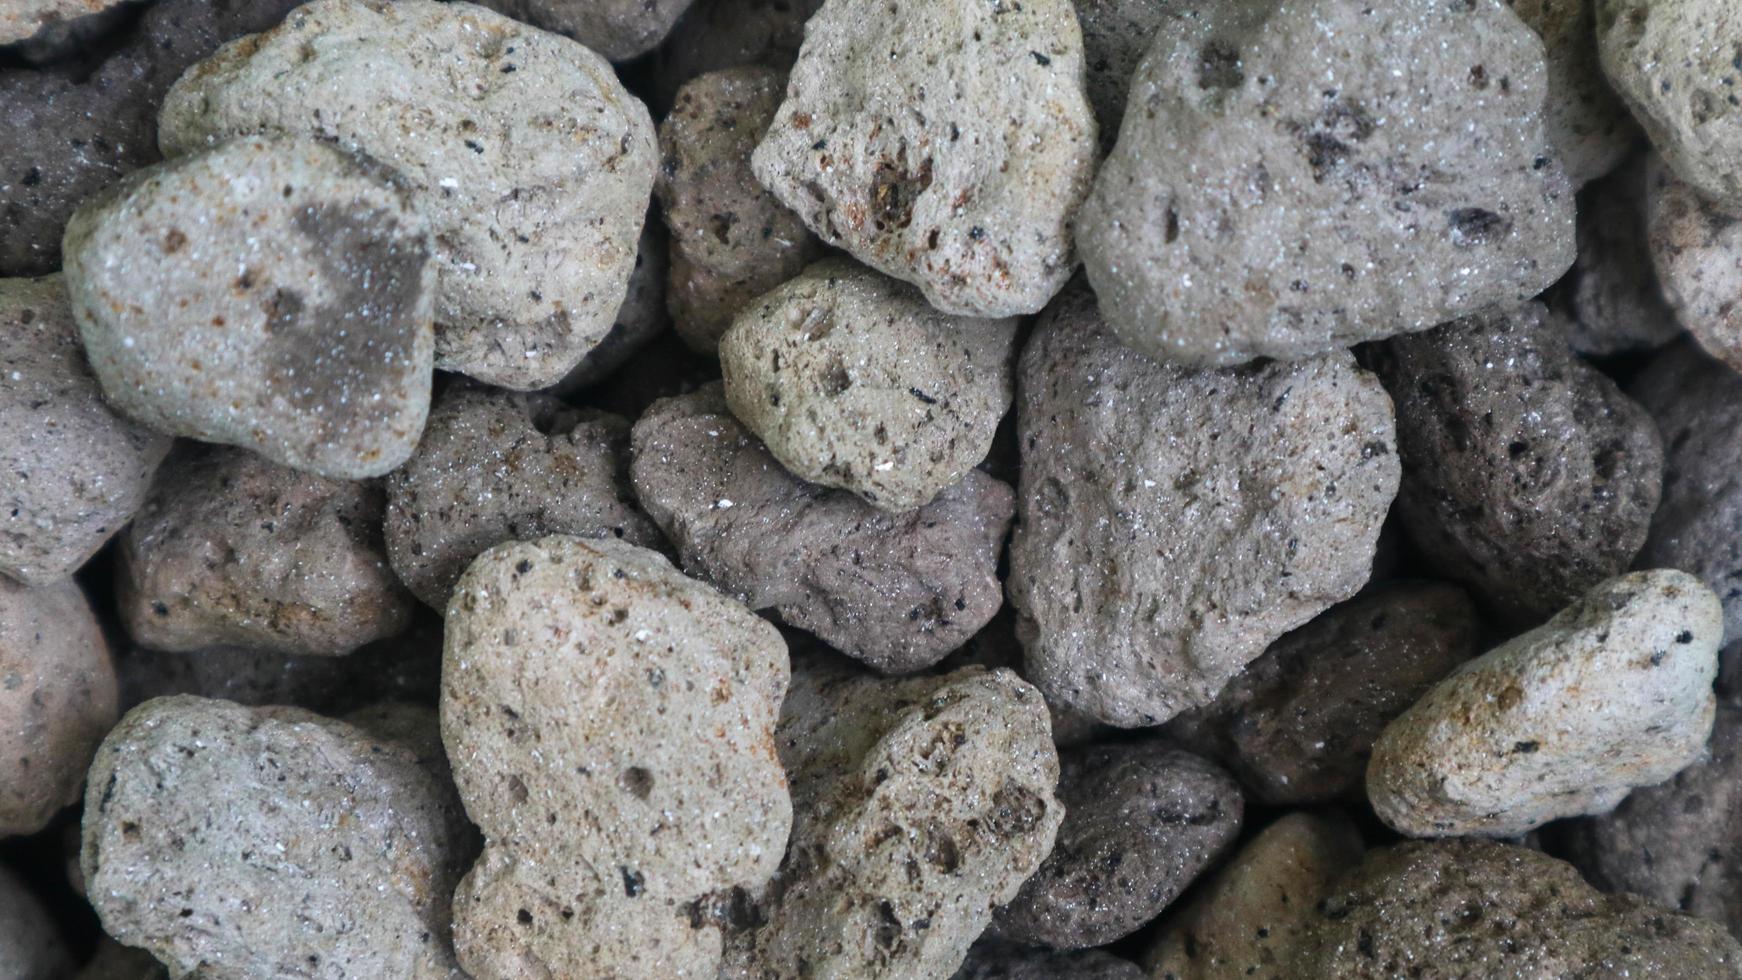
(895, 591)
(1613, 693)
(617, 29)
(920, 804)
(1527, 474)
(947, 145)
(499, 466)
(1697, 252)
(231, 550)
(31, 947)
(1246, 213)
(521, 148)
(74, 470)
(1246, 919)
(1001, 961)
(1237, 505)
(1470, 908)
(1116, 35)
(591, 679)
(732, 240)
(996, 645)
(853, 381)
(272, 293)
(1298, 723)
(194, 850)
(640, 319)
(1585, 121)
(1142, 821)
(1613, 296)
(727, 33)
(1675, 64)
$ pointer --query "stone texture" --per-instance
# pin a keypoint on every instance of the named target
(31, 947)
(617, 29)
(57, 699)
(1527, 474)
(1697, 252)
(1116, 35)
(531, 161)
(22, 20)
(1142, 821)
(74, 470)
(1612, 293)
(716, 34)
(732, 240)
(895, 591)
(1468, 908)
(1613, 693)
(252, 842)
(1000, 961)
(611, 724)
(1585, 122)
(640, 319)
(996, 645)
(272, 293)
(498, 466)
(1174, 523)
(853, 381)
(947, 145)
(1278, 194)
(232, 550)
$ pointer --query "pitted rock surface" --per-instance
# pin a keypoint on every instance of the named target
(1586, 123)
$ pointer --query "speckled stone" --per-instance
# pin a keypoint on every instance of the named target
(531, 161)
(1174, 523)
(1612, 293)
(232, 550)
(271, 293)
(1527, 474)
(640, 319)
(946, 143)
(1277, 193)
(31, 947)
(611, 724)
(1613, 693)
(992, 960)
(1116, 35)
(1585, 122)
(1142, 821)
(617, 29)
(1697, 252)
(717, 34)
(996, 645)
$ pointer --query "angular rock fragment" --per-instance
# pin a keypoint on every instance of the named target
(1613, 298)
(31, 947)
(1697, 252)
(617, 29)
(1585, 122)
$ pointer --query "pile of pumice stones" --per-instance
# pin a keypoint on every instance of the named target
(1181, 489)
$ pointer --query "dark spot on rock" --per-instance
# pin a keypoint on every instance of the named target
(1472, 227)
(1219, 67)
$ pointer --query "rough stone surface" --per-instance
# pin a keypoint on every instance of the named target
(1612, 293)
(895, 591)
(57, 700)
(1697, 252)
(232, 550)
(1527, 474)
(498, 466)
(947, 145)
(1585, 122)
(1116, 35)
(1298, 723)
(617, 29)
(640, 319)
(1244, 921)
(1000, 961)
(1142, 821)
(271, 293)
(1174, 523)
(996, 645)
(1277, 192)
(716, 34)
(250, 842)
(611, 724)
(30, 945)
(1469, 908)
(1674, 61)
(74, 471)
(732, 240)
(1613, 693)
(531, 161)
(920, 804)
(21, 20)
(853, 381)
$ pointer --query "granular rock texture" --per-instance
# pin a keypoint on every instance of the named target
(853, 381)
(946, 143)
(498, 466)
(996, 645)
(254, 842)
(1001, 961)
(640, 318)
(1174, 523)
(732, 240)
(897, 591)
(611, 725)
(1586, 124)
(1613, 693)
(73, 470)
(232, 550)
(716, 34)
(528, 157)
(30, 945)
(1142, 821)
(1298, 723)
(57, 700)
(1469, 908)
(920, 804)
(1527, 474)
(1674, 61)
(1697, 252)
(1277, 192)
(271, 293)
(1116, 35)
(617, 29)
(1612, 294)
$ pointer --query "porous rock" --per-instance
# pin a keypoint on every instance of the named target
(1173, 523)
(1612, 294)
(31, 947)
(946, 143)
(1697, 252)
(1277, 193)
(720, 34)
(272, 293)
(617, 29)
(640, 319)
(1116, 34)
(1586, 124)
(530, 160)
(895, 591)
(991, 960)
(1613, 693)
